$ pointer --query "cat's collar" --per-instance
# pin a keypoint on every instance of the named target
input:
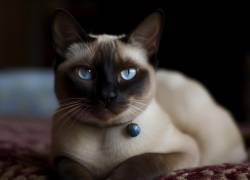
(132, 129)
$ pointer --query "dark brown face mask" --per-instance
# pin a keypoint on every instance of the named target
(94, 74)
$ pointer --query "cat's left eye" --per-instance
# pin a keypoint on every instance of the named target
(85, 73)
(128, 74)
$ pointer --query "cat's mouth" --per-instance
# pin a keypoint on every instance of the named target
(106, 112)
(109, 115)
(101, 114)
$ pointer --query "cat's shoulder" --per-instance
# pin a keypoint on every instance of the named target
(176, 79)
(178, 84)
(171, 77)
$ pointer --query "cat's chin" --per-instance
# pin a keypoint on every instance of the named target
(107, 118)
(104, 116)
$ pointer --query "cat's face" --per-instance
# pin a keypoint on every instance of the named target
(105, 79)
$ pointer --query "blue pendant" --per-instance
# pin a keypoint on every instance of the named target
(133, 130)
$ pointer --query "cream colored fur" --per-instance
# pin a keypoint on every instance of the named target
(182, 118)
(195, 113)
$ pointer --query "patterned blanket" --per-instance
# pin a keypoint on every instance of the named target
(24, 149)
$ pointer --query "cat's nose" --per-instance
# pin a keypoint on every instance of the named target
(112, 95)
(109, 96)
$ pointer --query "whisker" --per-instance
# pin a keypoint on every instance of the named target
(72, 99)
(67, 107)
(133, 112)
(136, 108)
(130, 113)
(73, 117)
(64, 120)
(70, 102)
(139, 103)
(141, 100)
(78, 113)
(71, 113)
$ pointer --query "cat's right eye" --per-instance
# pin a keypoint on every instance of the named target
(128, 74)
(85, 73)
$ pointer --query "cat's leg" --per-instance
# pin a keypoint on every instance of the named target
(68, 169)
(146, 166)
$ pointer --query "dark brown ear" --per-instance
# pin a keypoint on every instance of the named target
(148, 33)
(65, 31)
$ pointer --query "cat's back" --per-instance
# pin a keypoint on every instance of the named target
(174, 89)
(194, 111)
(176, 83)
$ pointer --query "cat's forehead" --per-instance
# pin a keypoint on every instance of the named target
(106, 37)
(105, 46)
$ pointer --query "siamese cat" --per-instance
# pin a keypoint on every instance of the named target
(120, 119)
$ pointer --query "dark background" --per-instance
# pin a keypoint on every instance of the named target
(207, 41)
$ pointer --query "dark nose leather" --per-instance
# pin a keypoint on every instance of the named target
(109, 95)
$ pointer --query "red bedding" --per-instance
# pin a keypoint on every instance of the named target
(24, 149)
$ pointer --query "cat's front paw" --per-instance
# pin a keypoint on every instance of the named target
(142, 167)
(133, 176)
(67, 169)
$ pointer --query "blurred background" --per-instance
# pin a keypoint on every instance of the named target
(207, 41)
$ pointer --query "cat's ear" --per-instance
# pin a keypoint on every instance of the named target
(66, 31)
(148, 33)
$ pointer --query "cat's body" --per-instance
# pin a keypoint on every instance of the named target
(181, 126)
(102, 149)
(174, 122)
(194, 112)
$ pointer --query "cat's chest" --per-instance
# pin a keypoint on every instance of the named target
(100, 150)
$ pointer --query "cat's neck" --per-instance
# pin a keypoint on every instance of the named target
(145, 120)
(152, 111)
(148, 114)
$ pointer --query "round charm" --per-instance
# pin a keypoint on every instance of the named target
(133, 130)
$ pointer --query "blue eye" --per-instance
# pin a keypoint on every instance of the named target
(85, 73)
(128, 74)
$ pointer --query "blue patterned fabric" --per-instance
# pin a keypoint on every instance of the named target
(27, 92)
